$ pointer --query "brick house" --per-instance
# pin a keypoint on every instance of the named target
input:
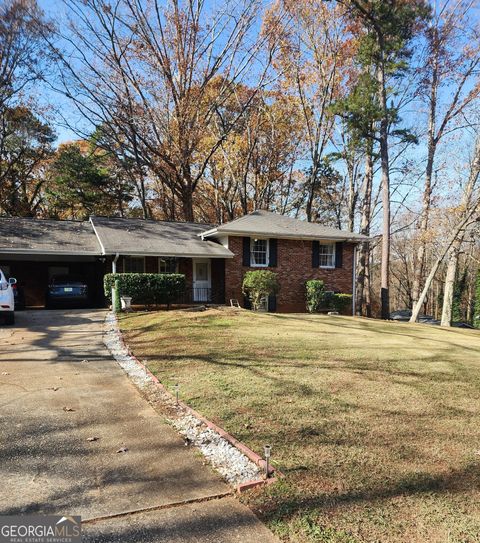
(213, 259)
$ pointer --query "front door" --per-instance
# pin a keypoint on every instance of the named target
(202, 280)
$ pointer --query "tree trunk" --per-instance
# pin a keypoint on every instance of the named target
(352, 199)
(364, 257)
(311, 195)
(385, 165)
(449, 287)
(187, 206)
(419, 261)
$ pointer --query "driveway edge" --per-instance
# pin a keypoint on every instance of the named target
(273, 473)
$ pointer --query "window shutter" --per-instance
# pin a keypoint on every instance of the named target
(272, 253)
(272, 303)
(246, 251)
(339, 254)
(315, 254)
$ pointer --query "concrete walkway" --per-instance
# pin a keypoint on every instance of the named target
(58, 388)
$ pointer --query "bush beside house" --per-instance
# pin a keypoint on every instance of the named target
(318, 299)
(147, 288)
(259, 285)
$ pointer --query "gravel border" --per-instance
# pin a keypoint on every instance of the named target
(233, 465)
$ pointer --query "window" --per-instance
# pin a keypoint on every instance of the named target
(167, 265)
(259, 252)
(326, 255)
(134, 264)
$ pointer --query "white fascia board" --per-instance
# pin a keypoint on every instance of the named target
(97, 236)
(283, 236)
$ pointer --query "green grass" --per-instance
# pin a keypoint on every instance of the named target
(376, 425)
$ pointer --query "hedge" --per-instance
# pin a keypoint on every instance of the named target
(320, 300)
(147, 288)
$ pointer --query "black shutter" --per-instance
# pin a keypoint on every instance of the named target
(246, 251)
(315, 254)
(339, 254)
(272, 303)
(246, 302)
(272, 253)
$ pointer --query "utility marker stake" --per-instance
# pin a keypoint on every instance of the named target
(267, 449)
(176, 393)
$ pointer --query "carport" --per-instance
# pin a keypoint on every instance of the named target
(33, 251)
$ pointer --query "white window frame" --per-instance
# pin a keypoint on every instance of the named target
(267, 253)
(127, 258)
(160, 258)
(333, 255)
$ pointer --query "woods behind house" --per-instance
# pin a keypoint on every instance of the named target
(358, 114)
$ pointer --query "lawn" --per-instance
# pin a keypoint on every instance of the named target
(376, 425)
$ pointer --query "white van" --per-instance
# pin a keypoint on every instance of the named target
(6, 299)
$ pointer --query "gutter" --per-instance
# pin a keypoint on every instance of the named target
(283, 236)
(114, 263)
(50, 252)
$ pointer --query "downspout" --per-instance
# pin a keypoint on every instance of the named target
(354, 280)
(114, 263)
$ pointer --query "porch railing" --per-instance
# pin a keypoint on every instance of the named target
(194, 295)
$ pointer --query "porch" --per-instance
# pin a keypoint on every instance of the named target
(205, 277)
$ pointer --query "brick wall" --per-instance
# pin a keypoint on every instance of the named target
(294, 267)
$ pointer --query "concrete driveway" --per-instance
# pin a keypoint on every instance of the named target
(58, 388)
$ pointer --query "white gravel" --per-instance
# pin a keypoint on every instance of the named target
(233, 465)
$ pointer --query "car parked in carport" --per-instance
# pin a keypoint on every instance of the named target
(7, 300)
(67, 291)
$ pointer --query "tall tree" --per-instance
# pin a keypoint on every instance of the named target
(467, 215)
(159, 74)
(23, 62)
(387, 28)
(81, 183)
(450, 83)
(454, 251)
(25, 148)
(313, 59)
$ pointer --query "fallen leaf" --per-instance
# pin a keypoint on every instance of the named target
(68, 409)
(122, 450)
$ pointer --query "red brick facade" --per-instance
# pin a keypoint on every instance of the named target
(294, 267)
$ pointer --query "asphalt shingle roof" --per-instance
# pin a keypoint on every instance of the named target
(265, 223)
(19, 235)
(162, 238)
(102, 235)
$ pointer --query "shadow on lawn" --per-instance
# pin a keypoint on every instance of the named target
(463, 480)
(360, 324)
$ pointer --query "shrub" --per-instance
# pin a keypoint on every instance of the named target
(259, 284)
(147, 288)
(320, 300)
(340, 302)
(315, 292)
